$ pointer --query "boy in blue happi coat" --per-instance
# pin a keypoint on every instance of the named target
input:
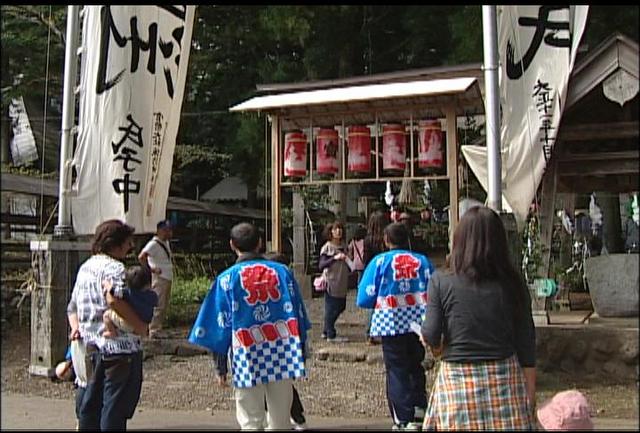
(255, 308)
(394, 284)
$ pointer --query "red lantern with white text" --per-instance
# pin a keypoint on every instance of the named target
(430, 150)
(394, 148)
(359, 160)
(327, 151)
(295, 154)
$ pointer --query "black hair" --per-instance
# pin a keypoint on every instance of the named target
(110, 234)
(397, 235)
(375, 228)
(480, 252)
(326, 233)
(137, 277)
(245, 237)
(360, 233)
(277, 257)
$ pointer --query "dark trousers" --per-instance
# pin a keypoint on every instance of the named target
(333, 307)
(112, 394)
(405, 376)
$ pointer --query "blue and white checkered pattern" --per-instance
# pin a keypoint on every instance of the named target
(270, 361)
(386, 322)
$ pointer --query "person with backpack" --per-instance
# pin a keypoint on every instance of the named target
(156, 254)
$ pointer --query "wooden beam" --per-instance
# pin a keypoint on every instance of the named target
(359, 181)
(599, 131)
(584, 184)
(600, 156)
(601, 167)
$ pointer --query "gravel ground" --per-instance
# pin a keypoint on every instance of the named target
(333, 388)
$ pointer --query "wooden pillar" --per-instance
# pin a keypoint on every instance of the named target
(300, 246)
(609, 203)
(55, 268)
(546, 215)
(338, 191)
(452, 170)
(568, 203)
(276, 169)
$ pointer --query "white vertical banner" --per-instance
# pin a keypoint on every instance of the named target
(537, 47)
(133, 73)
(23, 144)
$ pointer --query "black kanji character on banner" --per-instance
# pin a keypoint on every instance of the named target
(108, 29)
(515, 69)
(133, 133)
(126, 186)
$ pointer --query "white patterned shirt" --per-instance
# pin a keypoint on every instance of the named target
(89, 303)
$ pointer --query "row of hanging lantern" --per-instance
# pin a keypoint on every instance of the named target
(394, 149)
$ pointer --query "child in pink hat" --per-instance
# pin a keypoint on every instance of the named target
(567, 410)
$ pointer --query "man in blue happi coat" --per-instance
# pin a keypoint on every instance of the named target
(255, 309)
(394, 284)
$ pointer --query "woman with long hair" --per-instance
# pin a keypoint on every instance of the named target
(479, 318)
(374, 245)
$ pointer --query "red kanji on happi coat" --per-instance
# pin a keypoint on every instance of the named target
(405, 267)
(261, 284)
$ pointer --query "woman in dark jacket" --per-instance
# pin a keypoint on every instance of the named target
(479, 318)
(333, 263)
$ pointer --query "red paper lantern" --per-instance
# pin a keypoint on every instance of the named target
(295, 154)
(430, 152)
(327, 151)
(394, 147)
(359, 160)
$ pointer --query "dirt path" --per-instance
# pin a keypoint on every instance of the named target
(338, 389)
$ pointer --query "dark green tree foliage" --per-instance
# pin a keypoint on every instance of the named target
(236, 47)
(466, 34)
(25, 31)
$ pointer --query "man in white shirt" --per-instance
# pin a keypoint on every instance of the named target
(157, 255)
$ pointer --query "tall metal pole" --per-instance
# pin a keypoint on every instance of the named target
(68, 121)
(494, 165)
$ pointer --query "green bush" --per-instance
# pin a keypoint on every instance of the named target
(189, 291)
(186, 297)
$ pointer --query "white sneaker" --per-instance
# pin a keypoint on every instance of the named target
(296, 426)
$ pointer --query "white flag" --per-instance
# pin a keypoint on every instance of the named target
(537, 46)
(23, 144)
(133, 73)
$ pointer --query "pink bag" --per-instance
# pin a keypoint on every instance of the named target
(320, 284)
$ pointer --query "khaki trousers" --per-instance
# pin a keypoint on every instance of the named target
(162, 287)
(250, 411)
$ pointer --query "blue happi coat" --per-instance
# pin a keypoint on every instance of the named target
(255, 308)
(394, 284)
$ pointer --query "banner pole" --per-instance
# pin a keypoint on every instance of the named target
(494, 163)
(68, 119)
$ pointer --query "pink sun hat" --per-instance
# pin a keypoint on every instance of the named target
(567, 410)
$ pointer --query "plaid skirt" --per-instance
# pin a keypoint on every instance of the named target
(488, 395)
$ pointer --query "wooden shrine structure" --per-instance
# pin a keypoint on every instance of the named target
(597, 144)
(442, 93)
